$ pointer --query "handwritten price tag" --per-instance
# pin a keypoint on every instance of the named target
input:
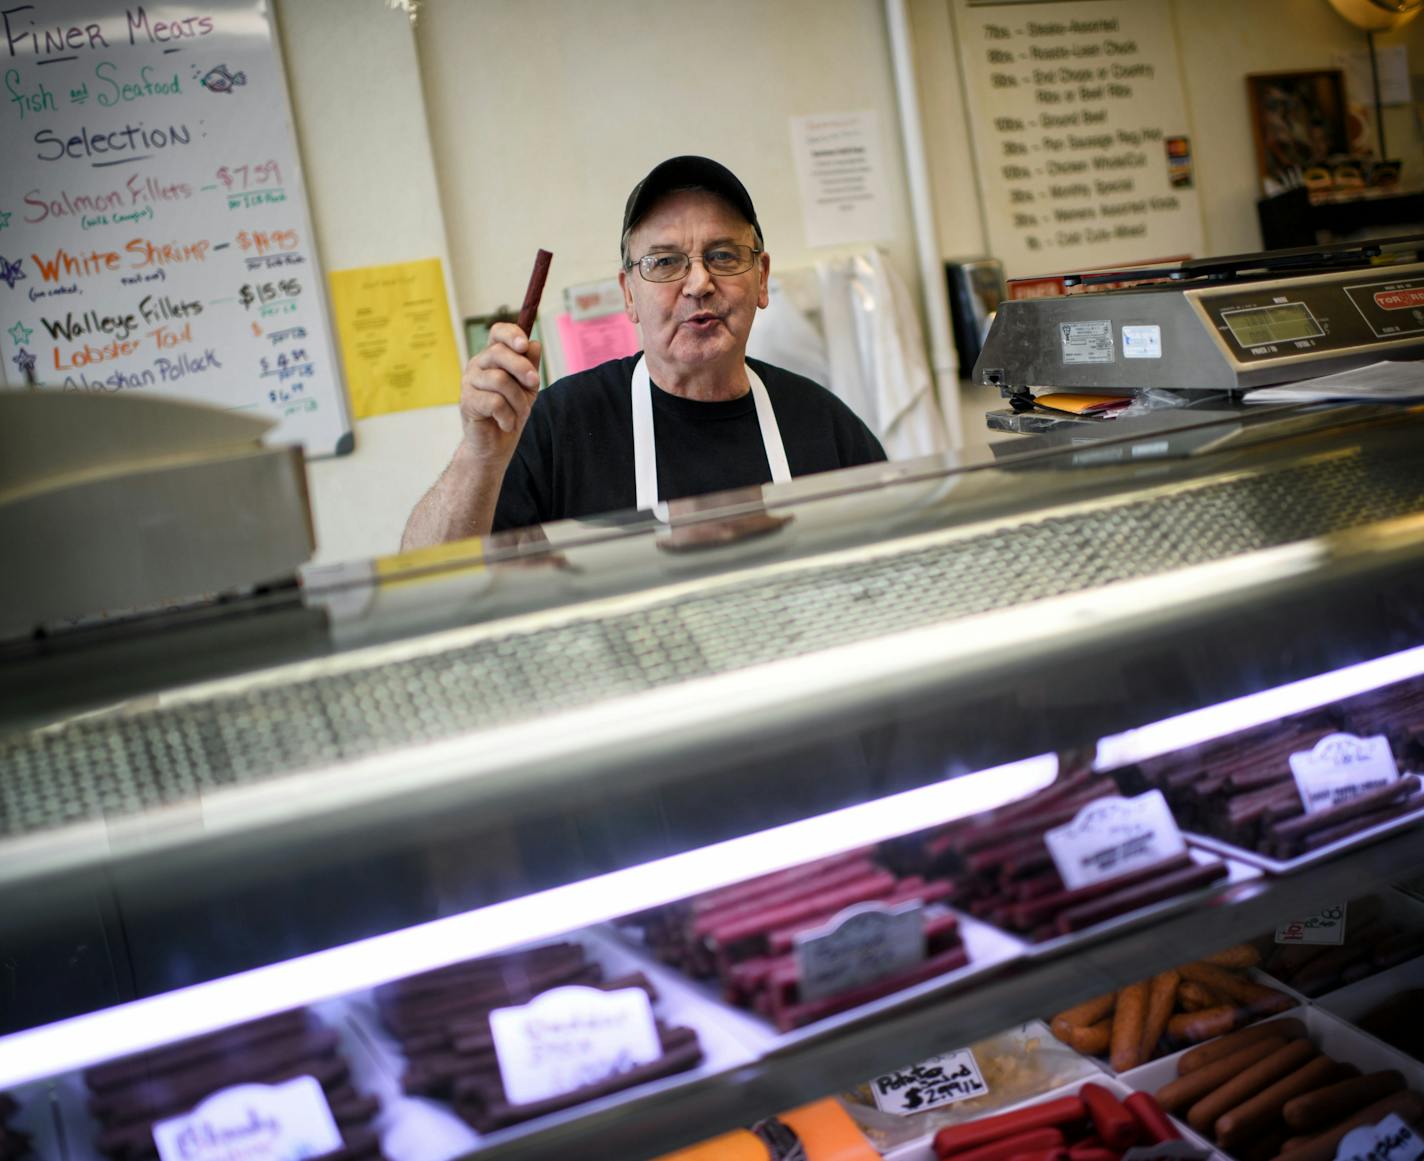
(860, 945)
(1326, 926)
(253, 1122)
(940, 1080)
(1114, 836)
(1390, 1140)
(570, 1037)
(1342, 767)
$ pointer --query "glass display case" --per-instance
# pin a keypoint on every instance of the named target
(614, 754)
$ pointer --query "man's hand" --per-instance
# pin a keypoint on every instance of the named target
(497, 391)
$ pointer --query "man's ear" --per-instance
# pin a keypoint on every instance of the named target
(628, 308)
(764, 279)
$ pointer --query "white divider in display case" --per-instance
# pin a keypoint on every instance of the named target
(412, 1128)
(1154, 1074)
(732, 1037)
(1254, 975)
(1354, 1002)
(418, 1128)
(1333, 1036)
(77, 1130)
(923, 1150)
(1321, 854)
(1402, 916)
(988, 949)
(39, 1117)
(415, 1128)
(1236, 873)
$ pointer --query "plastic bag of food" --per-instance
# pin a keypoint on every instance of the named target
(1009, 1068)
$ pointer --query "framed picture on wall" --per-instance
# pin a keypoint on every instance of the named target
(477, 329)
(1298, 120)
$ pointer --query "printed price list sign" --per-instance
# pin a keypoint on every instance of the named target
(1080, 134)
(153, 226)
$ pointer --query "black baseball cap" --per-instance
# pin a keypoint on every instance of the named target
(687, 172)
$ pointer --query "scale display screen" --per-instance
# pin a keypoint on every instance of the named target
(1280, 323)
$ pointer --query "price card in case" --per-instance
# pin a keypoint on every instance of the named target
(1390, 1140)
(1326, 926)
(864, 943)
(1114, 836)
(940, 1080)
(1342, 767)
(253, 1122)
(571, 1037)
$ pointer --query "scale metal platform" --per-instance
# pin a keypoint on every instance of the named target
(1211, 326)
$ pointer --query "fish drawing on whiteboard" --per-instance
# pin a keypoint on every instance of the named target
(220, 79)
(10, 272)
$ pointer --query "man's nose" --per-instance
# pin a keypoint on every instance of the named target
(697, 282)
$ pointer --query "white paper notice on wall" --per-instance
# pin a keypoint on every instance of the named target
(1114, 836)
(1080, 132)
(1392, 62)
(841, 171)
(253, 1122)
(1342, 767)
(571, 1037)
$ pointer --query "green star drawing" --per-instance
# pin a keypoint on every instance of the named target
(20, 334)
(4, 218)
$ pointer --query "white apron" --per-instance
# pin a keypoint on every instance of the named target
(645, 460)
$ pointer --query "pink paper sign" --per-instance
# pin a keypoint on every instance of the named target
(588, 342)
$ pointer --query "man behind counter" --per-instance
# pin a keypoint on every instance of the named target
(688, 416)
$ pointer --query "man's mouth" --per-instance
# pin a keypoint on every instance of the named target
(702, 321)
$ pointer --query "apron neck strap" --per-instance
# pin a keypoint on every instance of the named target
(645, 458)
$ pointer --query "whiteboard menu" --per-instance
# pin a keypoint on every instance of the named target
(154, 234)
(1080, 133)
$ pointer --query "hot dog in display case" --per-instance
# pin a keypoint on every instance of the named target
(925, 810)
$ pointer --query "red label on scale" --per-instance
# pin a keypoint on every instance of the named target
(1399, 299)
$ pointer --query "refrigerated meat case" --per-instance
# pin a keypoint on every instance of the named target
(220, 811)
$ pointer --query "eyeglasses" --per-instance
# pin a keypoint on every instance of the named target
(672, 266)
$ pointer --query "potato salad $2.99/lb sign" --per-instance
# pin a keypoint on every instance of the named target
(153, 226)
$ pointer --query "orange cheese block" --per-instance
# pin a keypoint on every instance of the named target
(828, 1133)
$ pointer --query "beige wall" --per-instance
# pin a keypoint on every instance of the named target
(544, 113)
(497, 127)
(1220, 42)
(371, 184)
(1224, 40)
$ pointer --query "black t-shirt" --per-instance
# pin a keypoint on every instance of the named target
(575, 456)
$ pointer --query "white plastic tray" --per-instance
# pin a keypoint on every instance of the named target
(1354, 1000)
(39, 1116)
(988, 948)
(1331, 1035)
(1329, 851)
(1026, 1057)
(1236, 872)
(1395, 907)
(1255, 975)
(923, 1150)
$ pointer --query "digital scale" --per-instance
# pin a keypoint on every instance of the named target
(1212, 326)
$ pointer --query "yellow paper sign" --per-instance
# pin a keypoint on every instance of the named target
(396, 340)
